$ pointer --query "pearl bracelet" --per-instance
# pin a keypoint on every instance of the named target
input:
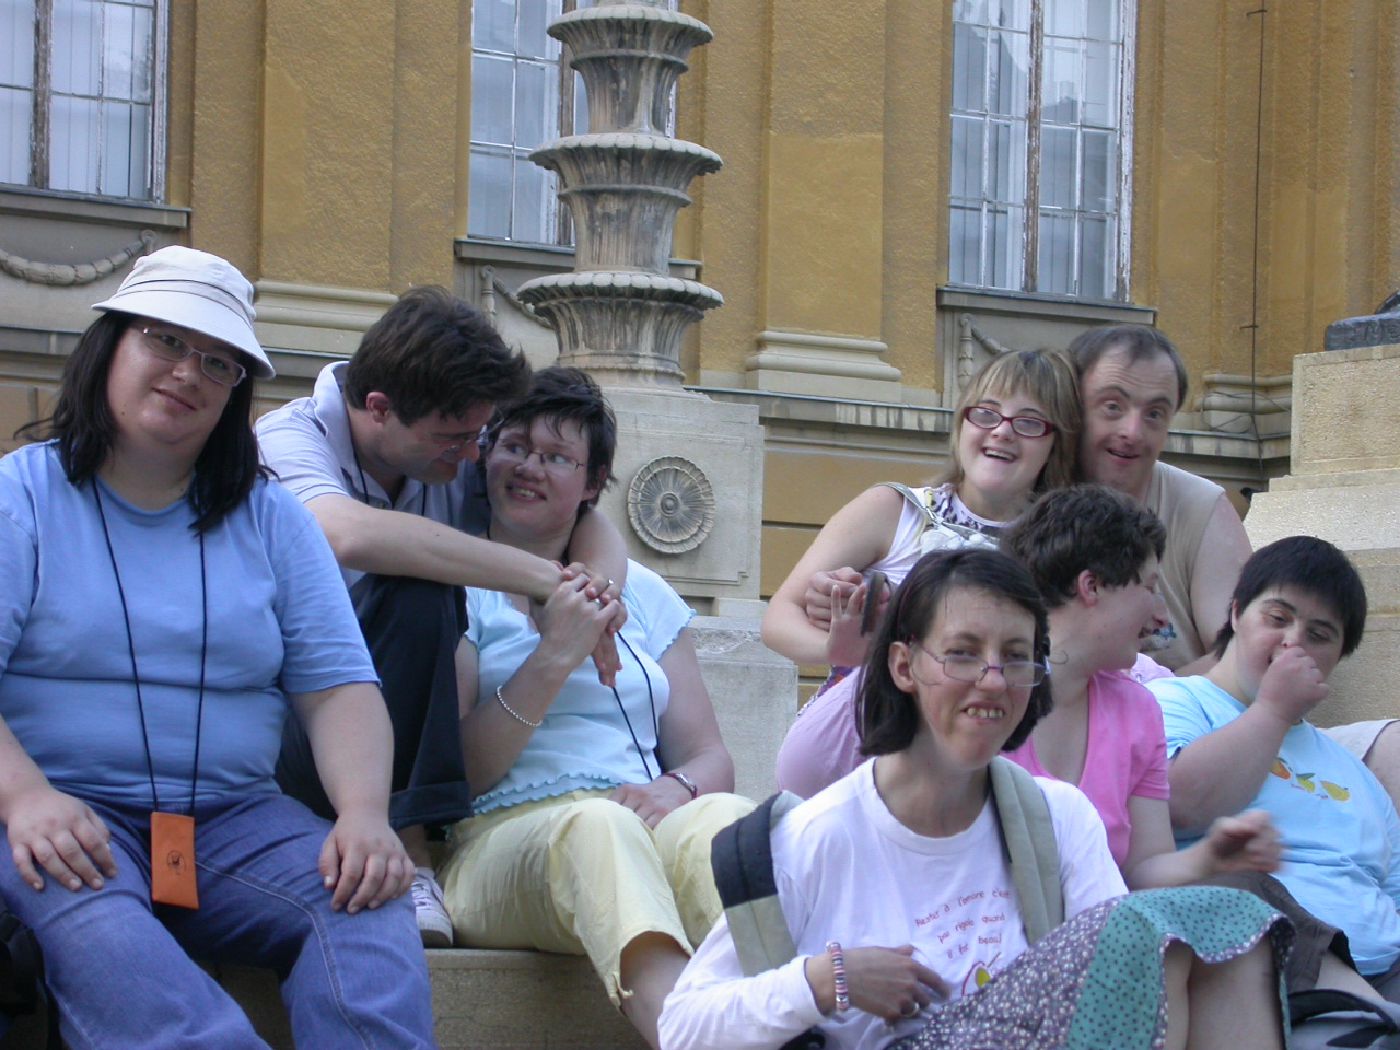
(514, 713)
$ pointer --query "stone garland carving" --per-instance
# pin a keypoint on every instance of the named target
(671, 505)
(64, 274)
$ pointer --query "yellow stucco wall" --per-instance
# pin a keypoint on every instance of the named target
(325, 144)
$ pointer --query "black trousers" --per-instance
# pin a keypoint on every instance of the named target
(412, 628)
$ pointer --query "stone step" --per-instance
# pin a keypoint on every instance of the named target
(482, 1000)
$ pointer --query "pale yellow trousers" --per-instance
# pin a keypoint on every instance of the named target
(581, 875)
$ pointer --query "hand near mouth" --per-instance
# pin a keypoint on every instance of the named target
(1292, 685)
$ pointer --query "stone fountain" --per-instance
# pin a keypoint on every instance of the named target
(690, 470)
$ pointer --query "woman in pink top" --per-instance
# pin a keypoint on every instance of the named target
(1093, 553)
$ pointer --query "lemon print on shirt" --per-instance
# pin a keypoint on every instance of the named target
(1336, 791)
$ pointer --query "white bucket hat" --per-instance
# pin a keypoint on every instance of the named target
(194, 290)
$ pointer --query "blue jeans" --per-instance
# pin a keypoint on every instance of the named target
(121, 970)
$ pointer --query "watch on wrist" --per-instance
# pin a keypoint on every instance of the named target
(684, 781)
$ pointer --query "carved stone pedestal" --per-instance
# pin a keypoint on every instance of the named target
(1345, 488)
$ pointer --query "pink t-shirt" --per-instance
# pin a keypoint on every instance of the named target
(1126, 754)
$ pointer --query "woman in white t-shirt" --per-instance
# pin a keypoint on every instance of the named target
(1014, 436)
(895, 889)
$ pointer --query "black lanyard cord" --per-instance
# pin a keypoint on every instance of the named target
(651, 699)
(131, 652)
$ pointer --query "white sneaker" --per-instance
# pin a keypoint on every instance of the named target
(433, 924)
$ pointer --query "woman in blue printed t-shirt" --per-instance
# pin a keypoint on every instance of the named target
(163, 609)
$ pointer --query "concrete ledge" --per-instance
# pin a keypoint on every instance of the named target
(501, 1000)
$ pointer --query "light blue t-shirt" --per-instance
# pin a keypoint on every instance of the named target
(279, 622)
(1340, 832)
(307, 443)
(584, 741)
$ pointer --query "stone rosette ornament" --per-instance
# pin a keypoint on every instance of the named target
(671, 505)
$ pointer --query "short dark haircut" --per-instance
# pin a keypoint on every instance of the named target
(560, 395)
(83, 426)
(1083, 527)
(433, 352)
(886, 716)
(1307, 564)
(1138, 341)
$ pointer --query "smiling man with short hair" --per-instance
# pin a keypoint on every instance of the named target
(1132, 382)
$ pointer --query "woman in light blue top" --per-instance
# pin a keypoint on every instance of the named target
(163, 609)
(595, 805)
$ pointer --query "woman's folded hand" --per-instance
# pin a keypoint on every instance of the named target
(58, 834)
(363, 863)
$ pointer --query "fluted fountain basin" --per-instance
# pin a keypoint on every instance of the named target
(623, 191)
(627, 159)
(626, 323)
(629, 56)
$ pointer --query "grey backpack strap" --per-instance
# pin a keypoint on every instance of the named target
(742, 861)
(1029, 835)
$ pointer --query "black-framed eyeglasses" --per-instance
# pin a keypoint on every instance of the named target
(172, 348)
(963, 667)
(553, 463)
(985, 418)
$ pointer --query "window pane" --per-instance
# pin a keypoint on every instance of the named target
(77, 31)
(1011, 14)
(1096, 258)
(965, 244)
(970, 11)
(143, 48)
(580, 126)
(967, 157)
(1064, 17)
(117, 40)
(488, 202)
(1101, 84)
(1100, 179)
(535, 16)
(1060, 91)
(1005, 247)
(493, 24)
(969, 68)
(16, 114)
(17, 43)
(1057, 182)
(492, 99)
(73, 129)
(1102, 19)
(1009, 67)
(116, 152)
(1006, 162)
(536, 104)
(534, 204)
(1056, 254)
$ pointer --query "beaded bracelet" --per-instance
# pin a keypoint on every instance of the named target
(514, 713)
(838, 976)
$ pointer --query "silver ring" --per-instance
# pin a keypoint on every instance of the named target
(911, 1010)
(609, 586)
(598, 602)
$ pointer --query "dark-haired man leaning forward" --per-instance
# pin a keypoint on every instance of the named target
(383, 453)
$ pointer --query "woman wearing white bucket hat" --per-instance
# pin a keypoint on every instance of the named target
(162, 604)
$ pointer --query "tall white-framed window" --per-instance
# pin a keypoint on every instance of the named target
(82, 86)
(523, 95)
(1040, 190)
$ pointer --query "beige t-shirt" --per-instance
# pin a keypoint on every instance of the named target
(1185, 503)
